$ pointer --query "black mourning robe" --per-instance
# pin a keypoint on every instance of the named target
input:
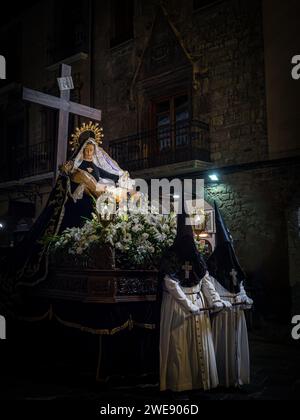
(77, 213)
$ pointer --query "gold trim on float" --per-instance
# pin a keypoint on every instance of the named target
(130, 324)
(50, 315)
(92, 330)
(145, 326)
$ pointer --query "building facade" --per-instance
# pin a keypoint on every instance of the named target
(186, 88)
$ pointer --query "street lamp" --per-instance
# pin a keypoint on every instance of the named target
(214, 177)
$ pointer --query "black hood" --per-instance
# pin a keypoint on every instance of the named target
(223, 264)
(183, 259)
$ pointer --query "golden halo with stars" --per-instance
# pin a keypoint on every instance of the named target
(84, 132)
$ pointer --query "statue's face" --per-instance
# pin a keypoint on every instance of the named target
(89, 152)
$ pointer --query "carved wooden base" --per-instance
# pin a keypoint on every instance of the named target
(99, 286)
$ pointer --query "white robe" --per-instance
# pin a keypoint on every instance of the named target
(230, 337)
(187, 356)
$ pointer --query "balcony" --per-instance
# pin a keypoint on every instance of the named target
(184, 147)
(27, 162)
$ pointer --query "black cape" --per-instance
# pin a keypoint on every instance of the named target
(27, 264)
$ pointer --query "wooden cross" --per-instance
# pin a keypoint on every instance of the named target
(65, 107)
(187, 269)
(234, 274)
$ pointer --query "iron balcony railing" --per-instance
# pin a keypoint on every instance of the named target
(24, 162)
(183, 142)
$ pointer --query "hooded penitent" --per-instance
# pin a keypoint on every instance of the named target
(223, 264)
(183, 261)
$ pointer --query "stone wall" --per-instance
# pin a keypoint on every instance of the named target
(293, 217)
(281, 44)
(260, 208)
(226, 42)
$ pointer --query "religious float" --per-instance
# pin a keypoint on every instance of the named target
(90, 267)
(91, 260)
(90, 264)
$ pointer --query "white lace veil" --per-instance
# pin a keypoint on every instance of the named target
(101, 159)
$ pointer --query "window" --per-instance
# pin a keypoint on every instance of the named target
(163, 124)
(11, 49)
(72, 29)
(122, 14)
(181, 107)
(171, 122)
(16, 147)
(49, 125)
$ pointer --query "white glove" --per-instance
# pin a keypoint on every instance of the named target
(244, 299)
(249, 302)
(245, 302)
(195, 310)
(197, 313)
(227, 305)
(222, 306)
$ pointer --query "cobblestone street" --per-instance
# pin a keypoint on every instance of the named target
(275, 376)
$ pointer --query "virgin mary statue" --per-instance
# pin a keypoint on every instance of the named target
(89, 173)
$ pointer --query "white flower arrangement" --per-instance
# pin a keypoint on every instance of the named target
(139, 239)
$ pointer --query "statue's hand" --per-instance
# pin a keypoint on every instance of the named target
(67, 168)
(100, 189)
